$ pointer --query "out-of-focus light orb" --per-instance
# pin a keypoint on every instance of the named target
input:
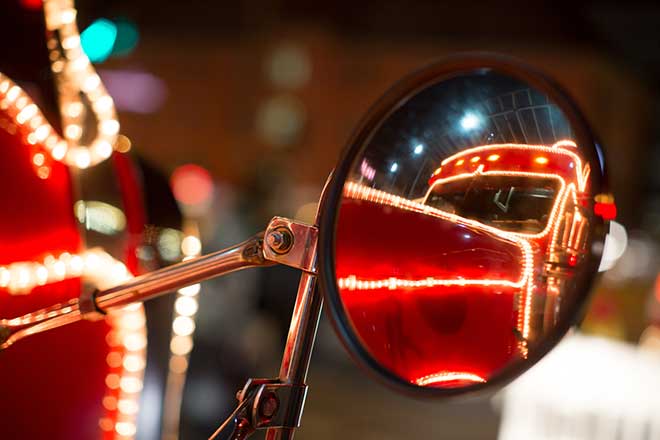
(289, 67)
(191, 246)
(190, 290)
(192, 185)
(186, 306)
(394, 167)
(183, 326)
(99, 39)
(169, 244)
(470, 121)
(178, 364)
(280, 120)
(307, 212)
(418, 149)
(127, 37)
(181, 345)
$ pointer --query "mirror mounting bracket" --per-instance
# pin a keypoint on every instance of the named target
(291, 243)
(263, 404)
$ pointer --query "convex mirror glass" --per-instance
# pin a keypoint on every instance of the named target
(462, 226)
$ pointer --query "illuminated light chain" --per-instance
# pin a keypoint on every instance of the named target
(560, 147)
(480, 172)
(95, 265)
(351, 282)
(353, 190)
(557, 212)
(36, 130)
(181, 342)
(448, 377)
(74, 76)
(127, 339)
(126, 362)
(27, 117)
(558, 209)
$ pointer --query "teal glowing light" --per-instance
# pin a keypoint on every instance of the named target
(127, 38)
(98, 40)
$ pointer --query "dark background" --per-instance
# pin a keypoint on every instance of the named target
(271, 138)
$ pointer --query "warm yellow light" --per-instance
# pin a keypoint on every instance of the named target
(130, 384)
(128, 406)
(133, 363)
(190, 290)
(110, 127)
(74, 109)
(59, 151)
(91, 83)
(475, 159)
(125, 429)
(183, 326)
(73, 131)
(178, 364)
(135, 342)
(493, 157)
(132, 321)
(27, 113)
(181, 345)
(460, 162)
(186, 306)
(191, 245)
(541, 160)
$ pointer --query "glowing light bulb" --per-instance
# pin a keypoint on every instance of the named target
(181, 345)
(190, 290)
(183, 326)
(186, 306)
(82, 159)
(191, 245)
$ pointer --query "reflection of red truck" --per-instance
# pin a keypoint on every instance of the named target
(449, 290)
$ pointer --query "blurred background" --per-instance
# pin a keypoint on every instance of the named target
(261, 97)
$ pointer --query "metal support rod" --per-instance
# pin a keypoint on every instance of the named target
(300, 342)
(151, 285)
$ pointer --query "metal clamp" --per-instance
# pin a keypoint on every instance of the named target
(275, 404)
(89, 310)
(291, 243)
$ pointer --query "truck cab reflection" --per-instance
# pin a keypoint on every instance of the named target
(502, 230)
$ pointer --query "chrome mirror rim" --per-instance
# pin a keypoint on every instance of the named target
(393, 99)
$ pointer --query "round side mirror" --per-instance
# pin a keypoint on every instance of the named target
(461, 231)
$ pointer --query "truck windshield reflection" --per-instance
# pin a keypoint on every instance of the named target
(447, 289)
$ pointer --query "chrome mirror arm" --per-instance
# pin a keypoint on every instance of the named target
(94, 305)
(272, 404)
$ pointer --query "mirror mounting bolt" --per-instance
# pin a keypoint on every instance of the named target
(280, 240)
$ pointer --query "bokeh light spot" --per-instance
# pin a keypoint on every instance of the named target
(99, 39)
